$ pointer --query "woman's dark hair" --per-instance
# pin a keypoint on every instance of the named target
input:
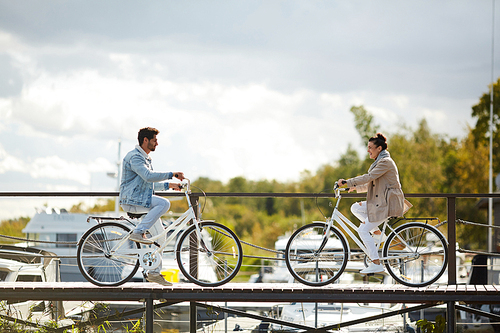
(379, 141)
(146, 132)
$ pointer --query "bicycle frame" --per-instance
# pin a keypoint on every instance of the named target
(160, 240)
(347, 226)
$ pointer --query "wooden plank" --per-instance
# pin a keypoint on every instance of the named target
(252, 292)
(480, 289)
(490, 288)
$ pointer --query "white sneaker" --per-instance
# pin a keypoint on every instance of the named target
(373, 268)
(158, 278)
(139, 238)
(377, 237)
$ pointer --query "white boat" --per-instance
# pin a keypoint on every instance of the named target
(26, 265)
(58, 231)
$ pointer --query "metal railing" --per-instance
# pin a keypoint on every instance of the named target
(451, 203)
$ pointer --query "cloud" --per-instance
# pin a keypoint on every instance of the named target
(53, 167)
(253, 88)
(233, 128)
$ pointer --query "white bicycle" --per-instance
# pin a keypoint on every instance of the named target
(415, 253)
(207, 253)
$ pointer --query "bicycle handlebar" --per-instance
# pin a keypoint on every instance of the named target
(336, 187)
(185, 184)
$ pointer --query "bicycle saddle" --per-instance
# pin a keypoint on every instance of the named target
(135, 216)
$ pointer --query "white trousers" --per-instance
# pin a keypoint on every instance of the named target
(361, 212)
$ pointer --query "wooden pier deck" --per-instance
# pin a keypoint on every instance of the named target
(252, 292)
(451, 295)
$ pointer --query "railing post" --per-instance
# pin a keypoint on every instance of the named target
(452, 261)
(193, 260)
(452, 240)
(193, 254)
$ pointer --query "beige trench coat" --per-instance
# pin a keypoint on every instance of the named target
(384, 197)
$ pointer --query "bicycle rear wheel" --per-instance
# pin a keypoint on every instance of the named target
(310, 265)
(96, 260)
(213, 260)
(417, 254)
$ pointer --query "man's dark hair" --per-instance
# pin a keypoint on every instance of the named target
(146, 132)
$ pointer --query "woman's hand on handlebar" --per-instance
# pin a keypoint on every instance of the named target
(341, 182)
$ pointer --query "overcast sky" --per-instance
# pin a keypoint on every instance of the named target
(260, 89)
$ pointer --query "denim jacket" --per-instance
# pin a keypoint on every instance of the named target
(139, 180)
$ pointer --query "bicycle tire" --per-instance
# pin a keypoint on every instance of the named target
(302, 257)
(214, 267)
(426, 254)
(95, 261)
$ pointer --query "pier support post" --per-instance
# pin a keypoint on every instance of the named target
(192, 317)
(149, 315)
(451, 320)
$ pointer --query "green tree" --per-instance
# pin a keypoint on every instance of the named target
(481, 111)
(468, 173)
(419, 157)
(363, 121)
(13, 227)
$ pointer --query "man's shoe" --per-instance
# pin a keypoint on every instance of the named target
(158, 278)
(373, 268)
(139, 238)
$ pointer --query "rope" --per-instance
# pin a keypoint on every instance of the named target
(251, 245)
(479, 252)
(37, 241)
(262, 248)
(441, 224)
(257, 246)
(478, 224)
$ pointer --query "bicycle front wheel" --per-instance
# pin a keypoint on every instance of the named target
(100, 261)
(416, 254)
(315, 258)
(214, 259)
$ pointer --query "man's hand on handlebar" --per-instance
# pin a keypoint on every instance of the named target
(179, 175)
(175, 186)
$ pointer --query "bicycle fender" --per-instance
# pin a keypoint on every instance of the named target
(428, 225)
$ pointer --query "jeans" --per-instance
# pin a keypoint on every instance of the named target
(159, 206)
(360, 211)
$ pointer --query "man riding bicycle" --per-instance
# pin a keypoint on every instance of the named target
(137, 187)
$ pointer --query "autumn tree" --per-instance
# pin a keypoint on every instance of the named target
(363, 121)
(481, 131)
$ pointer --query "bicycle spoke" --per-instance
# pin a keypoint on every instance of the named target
(416, 254)
(315, 258)
(213, 260)
(96, 259)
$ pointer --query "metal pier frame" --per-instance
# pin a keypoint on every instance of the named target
(251, 292)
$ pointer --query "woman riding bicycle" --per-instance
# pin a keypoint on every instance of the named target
(384, 198)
